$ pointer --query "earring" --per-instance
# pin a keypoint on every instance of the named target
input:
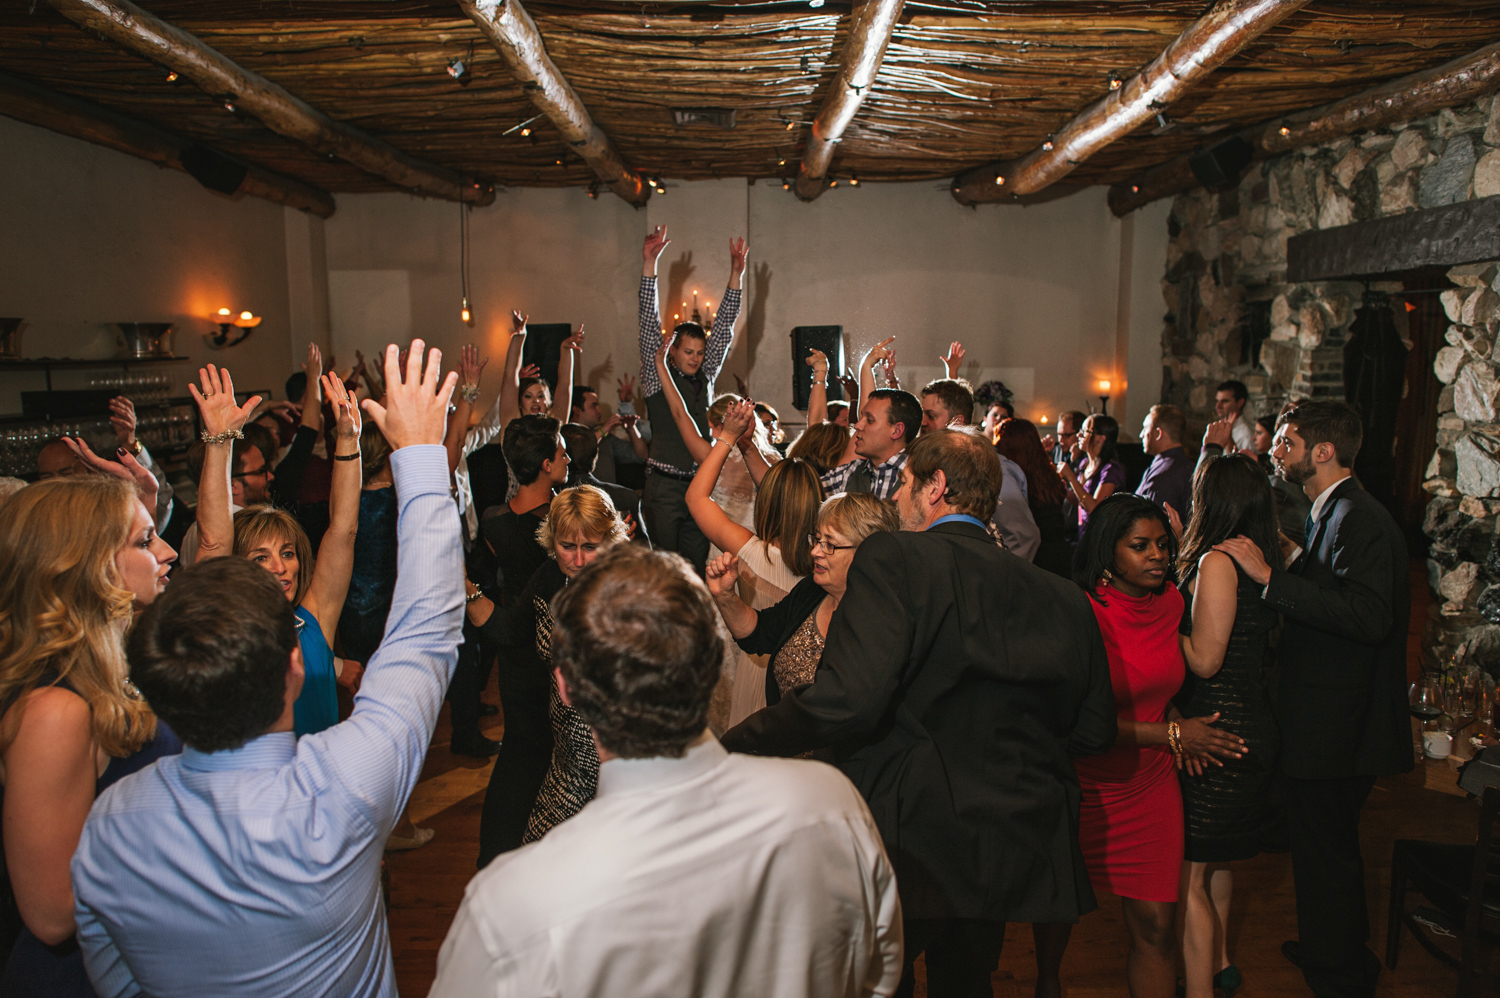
(1106, 577)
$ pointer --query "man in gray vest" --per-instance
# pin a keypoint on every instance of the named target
(693, 362)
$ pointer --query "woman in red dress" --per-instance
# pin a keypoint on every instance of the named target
(1130, 823)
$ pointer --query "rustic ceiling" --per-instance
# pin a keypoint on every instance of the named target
(963, 82)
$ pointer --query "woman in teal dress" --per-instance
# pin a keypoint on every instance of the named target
(272, 538)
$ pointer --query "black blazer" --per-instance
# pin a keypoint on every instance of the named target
(956, 684)
(1341, 696)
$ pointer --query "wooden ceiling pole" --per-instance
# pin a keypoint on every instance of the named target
(1204, 46)
(515, 36)
(869, 34)
(148, 36)
(1417, 95)
(81, 119)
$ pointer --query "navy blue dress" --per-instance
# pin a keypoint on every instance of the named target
(35, 969)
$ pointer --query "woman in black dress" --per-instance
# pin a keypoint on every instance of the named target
(1045, 494)
(1225, 639)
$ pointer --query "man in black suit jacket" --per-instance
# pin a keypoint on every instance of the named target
(1341, 698)
(957, 683)
(583, 453)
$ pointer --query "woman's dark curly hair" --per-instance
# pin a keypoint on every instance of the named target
(637, 638)
(1110, 521)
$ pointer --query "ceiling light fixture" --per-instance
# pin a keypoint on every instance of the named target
(171, 76)
(229, 106)
(1000, 181)
(854, 180)
(1135, 188)
(1115, 83)
(465, 313)
(456, 68)
(1047, 145)
(1285, 131)
(523, 127)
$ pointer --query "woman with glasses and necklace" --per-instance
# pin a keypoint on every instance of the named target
(792, 631)
(1102, 475)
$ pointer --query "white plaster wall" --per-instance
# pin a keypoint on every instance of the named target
(90, 236)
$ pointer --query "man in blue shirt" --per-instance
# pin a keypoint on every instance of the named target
(249, 865)
(1169, 479)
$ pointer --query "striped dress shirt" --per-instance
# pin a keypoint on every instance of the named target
(256, 871)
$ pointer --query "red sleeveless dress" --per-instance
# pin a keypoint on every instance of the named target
(1130, 824)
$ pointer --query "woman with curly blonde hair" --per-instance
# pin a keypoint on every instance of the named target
(78, 557)
(581, 523)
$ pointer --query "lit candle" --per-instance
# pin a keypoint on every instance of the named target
(1103, 386)
(1044, 420)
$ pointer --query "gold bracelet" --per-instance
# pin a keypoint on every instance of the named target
(1174, 738)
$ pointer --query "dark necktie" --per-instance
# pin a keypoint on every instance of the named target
(1307, 532)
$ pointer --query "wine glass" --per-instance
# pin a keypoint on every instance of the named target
(1426, 698)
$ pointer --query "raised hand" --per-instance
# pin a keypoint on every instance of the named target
(1220, 432)
(738, 418)
(955, 358)
(891, 381)
(656, 242)
(851, 387)
(721, 574)
(575, 341)
(878, 353)
(416, 408)
(345, 409)
(127, 467)
(517, 322)
(1049, 442)
(625, 388)
(530, 371)
(818, 361)
(216, 401)
(470, 367)
(122, 418)
(313, 365)
(739, 256)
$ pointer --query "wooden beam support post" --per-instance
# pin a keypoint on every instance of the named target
(149, 37)
(1204, 46)
(81, 119)
(1466, 78)
(515, 36)
(869, 34)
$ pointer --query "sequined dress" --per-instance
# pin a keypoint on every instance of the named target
(1225, 808)
(573, 776)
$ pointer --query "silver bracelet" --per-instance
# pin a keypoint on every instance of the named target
(221, 438)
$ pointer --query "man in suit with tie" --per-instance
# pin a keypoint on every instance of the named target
(1342, 699)
(957, 683)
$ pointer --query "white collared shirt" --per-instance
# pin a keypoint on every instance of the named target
(1315, 515)
(712, 874)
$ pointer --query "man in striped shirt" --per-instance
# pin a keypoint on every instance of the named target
(693, 361)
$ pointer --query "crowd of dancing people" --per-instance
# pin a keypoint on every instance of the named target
(780, 716)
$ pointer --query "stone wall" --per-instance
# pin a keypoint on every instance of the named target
(1226, 284)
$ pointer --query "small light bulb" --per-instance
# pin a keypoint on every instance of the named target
(652, 181)
(525, 132)
(1285, 130)
(1135, 188)
(171, 76)
(247, 315)
(229, 106)
(1044, 420)
(1104, 386)
(1048, 144)
(464, 315)
(786, 185)
(791, 125)
(1115, 83)
(224, 311)
(1000, 181)
(834, 183)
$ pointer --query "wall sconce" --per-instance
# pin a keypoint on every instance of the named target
(244, 323)
(1104, 397)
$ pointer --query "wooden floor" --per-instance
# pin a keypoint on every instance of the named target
(428, 884)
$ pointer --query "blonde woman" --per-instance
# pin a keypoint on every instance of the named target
(273, 539)
(78, 557)
(792, 631)
(581, 523)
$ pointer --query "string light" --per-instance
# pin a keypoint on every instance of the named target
(171, 76)
(229, 106)
(791, 125)
(1135, 188)
(651, 181)
(1115, 83)
(854, 180)
(786, 185)
(525, 132)
(1285, 131)
(1000, 181)
(1047, 145)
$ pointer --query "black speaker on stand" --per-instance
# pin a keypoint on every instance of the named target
(830, 340)
(543, 341)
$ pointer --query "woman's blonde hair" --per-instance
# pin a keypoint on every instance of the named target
(255, 525)
(786, 511)
(64, 609)
(857, 515)
(822, 445)
(758, 435)
(582, 511)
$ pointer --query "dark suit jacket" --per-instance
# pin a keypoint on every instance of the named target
(956, 684)
(1341, 697)
(625, 500)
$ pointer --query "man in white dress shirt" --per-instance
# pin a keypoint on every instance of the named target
(693, 871)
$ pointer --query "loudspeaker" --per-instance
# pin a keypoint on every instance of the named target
(1221, 165)
(830, 340)
(543, 340)
(213, 169)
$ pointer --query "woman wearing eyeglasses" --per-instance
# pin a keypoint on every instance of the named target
(792, 632)
(1102, 474)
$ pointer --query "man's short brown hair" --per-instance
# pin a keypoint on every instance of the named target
(1327, 423)
(637, 638)
(1170, 420)
(1073, 418)
(968, 462)
(955, 394)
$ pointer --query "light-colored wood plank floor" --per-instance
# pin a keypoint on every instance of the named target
(428, 884)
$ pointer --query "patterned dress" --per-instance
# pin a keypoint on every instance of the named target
(573, 776)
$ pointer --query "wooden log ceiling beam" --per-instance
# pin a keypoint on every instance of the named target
(81, 119)
(1204, 46)
(127, 25)
(1464, 79)
(515, 36)
(869, 34)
